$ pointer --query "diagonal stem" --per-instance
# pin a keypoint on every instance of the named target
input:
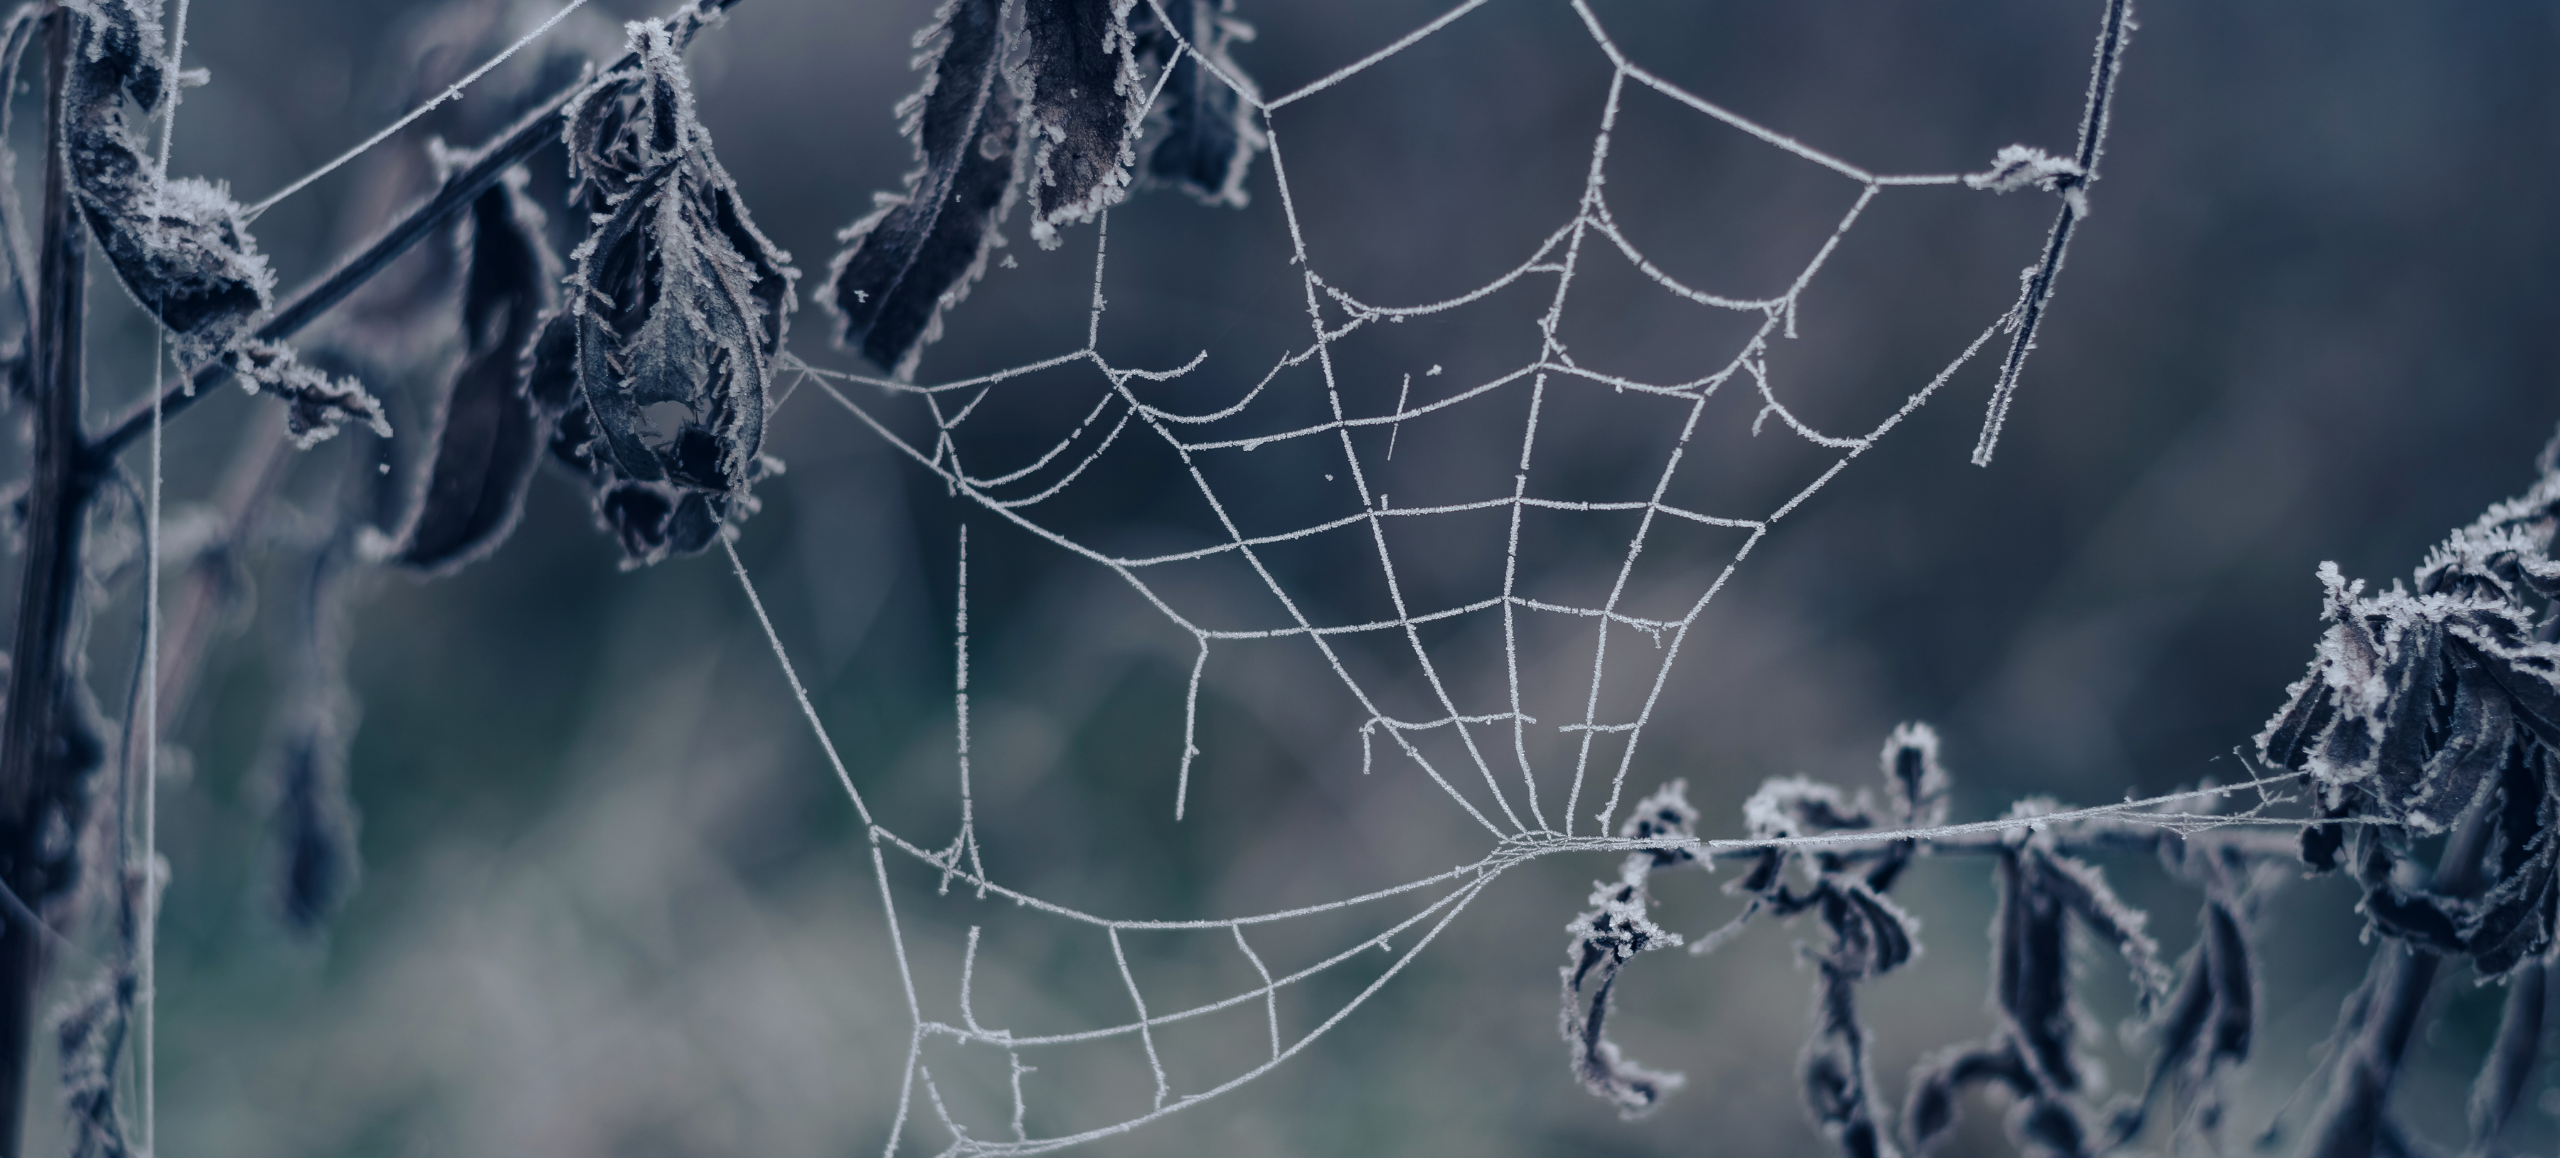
(2039, 288)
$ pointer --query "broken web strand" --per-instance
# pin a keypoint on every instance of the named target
(451, 92)
(147, 929)
(967, 840)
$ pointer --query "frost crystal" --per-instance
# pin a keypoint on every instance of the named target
(316, 405)
(2019, 167)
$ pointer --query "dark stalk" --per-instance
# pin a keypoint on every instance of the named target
(2039, 291)
(44, 751)
(2355, 1119)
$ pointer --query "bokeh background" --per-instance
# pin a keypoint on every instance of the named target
(613, 901)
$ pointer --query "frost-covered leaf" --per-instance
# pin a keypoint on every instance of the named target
(179, 247)
(655, 521)
(1081, 102)
(2421, 705)
(15, 262)
(90, 1035)
(1799, 806)
(2083, 890)
(1201, 135)
(1869, 937)
(2031, 971)
(1611, 933)
(490, 441)
(2410, 701)
(2018, 167)
(1604, 940)
(316, 405)
(918, 253)
(2206, 1026)
(1917, 784)
(680, 305)
(1667, 816)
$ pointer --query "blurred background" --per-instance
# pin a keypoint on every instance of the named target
(612, 900)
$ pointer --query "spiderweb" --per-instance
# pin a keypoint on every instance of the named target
(1434, 647)
(1537, 759)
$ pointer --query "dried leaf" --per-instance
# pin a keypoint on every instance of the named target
(2031, 970)
(314, 821)
(918, 253)
(1081, 103)
(491, 438)
(655, 521)
(680, 305)
(179, 247)
(1666, 815)
(14, 249)
(1839, 1082)
(2083, 890)
(316, 405)
(89, 1037)
(1201, 136)
(1604, 939)
(1610, 934)
(2206, 1026)
(1917, 784)
(1930, 1114)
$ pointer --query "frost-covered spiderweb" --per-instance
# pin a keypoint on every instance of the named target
(1358, 574)
(1448, 685)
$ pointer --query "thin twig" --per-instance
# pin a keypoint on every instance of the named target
(2039, 288)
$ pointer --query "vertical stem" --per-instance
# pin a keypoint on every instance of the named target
(43, 749)
(2355, 1119)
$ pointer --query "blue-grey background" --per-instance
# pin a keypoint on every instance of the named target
(614, 903)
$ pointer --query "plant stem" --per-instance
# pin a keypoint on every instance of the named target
(44, 748)
(2355, 1119)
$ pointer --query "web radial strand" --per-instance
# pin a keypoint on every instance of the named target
(1514, 795)
(452, 91)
